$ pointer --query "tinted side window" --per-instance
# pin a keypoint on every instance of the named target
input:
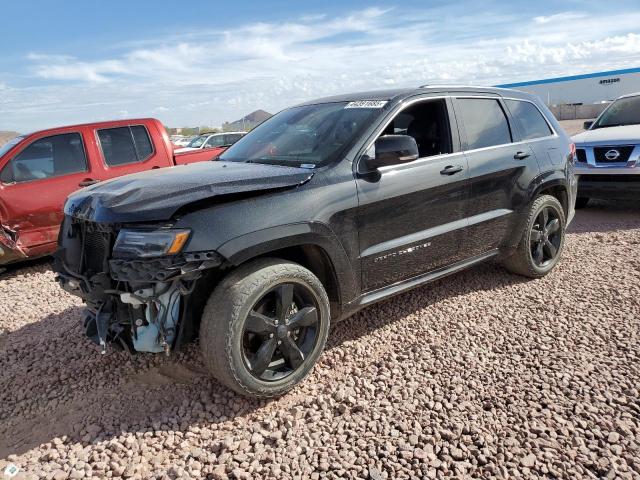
(45, 158)
(485, 122)
(123, 145)
(533, 123)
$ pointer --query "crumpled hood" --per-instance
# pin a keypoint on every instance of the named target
(156, 195)
(625, 134)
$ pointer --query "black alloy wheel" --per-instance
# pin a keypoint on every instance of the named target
(545, 236)
(541, 239)
(280, 331)
(264, 327)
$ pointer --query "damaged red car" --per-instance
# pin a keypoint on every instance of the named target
(38, 171)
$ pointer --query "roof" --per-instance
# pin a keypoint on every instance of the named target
(571, 77)
(98, 125)
(400, 94)
(369, 95)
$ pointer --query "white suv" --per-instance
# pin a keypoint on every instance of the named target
(608, 153)
(212, 140)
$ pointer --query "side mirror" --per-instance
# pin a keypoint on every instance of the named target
(587, 124)
(392, 150)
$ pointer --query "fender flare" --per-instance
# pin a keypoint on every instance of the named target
(259, 243)
(544, 181)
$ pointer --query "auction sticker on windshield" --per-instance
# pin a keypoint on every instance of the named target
(367, 104)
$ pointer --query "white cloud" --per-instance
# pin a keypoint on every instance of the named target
(559, 17)
(219, 75)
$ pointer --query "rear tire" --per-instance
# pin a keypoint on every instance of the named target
(542, 239)
(264, 327)
(582, 202)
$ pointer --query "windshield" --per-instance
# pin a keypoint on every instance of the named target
(625, 111)
(9, 145)
(198, 141)
(310, 135)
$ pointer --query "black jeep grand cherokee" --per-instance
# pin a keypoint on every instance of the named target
(323, 209)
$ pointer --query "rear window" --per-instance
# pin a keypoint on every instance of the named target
(47, 157)
(123, 145)
(485, 122)
(532, 123)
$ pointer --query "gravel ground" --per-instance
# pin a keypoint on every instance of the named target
(480, 374)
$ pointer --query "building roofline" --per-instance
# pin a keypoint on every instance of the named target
(571, 77)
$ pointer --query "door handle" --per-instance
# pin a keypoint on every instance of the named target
(451, 169)
(521, 155)
(88, 181)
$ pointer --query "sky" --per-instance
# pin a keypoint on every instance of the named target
(64, 62)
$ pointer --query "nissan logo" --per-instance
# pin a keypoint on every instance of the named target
(612, 155)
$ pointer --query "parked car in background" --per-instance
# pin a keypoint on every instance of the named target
(608, 153)
(183, 141)
(207, 147)
(212, 140)
(323, 209)
(38, 171)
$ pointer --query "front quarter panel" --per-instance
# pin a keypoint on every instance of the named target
(320, 212)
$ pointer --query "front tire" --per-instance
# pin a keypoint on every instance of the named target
(542, 239)
(264, 327)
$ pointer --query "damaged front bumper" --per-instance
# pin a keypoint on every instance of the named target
(136, 304)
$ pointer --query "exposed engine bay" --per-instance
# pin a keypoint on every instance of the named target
(139, 305)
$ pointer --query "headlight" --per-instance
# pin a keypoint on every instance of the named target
(150, 243)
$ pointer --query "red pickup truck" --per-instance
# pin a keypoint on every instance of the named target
(39, 170)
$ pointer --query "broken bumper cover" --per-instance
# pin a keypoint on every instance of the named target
(162, 269)
(141, 304)
(138, 305)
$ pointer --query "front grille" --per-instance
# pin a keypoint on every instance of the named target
(96, 245)
(581, 154)
(624, 152)
(87, 246)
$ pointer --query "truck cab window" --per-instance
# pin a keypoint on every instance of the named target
(45, 158)
(123, 145)
(428, 123)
